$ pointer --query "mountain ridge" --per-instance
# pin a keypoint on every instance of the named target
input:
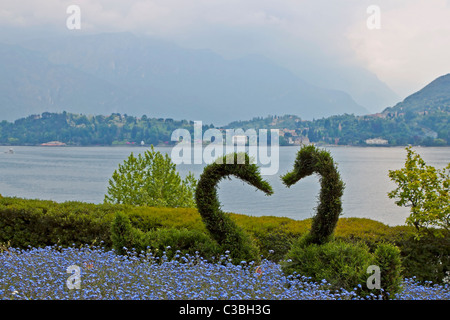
(435, 96)
(417, 125)
(139, 75)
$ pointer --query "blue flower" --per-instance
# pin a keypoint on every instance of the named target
(40, 273)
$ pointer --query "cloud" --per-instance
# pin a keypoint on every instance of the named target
(409, 50)
(412, 46)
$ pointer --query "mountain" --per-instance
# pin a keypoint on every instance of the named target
(124, 73)
(30, 83)
(364, 87)
(432, 98)
(423, 118)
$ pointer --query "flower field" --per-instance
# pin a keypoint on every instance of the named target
(41, 273)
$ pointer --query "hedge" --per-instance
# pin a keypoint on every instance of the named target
(40, 223)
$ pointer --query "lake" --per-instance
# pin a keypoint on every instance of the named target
(82, 173)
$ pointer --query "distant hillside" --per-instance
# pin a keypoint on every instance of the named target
(30, 83)
(85, 130)
(434, 97)
(423, 118)
(123, 73)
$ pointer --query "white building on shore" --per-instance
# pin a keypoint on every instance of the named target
(377, 141)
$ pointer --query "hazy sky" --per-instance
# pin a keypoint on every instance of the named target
(410, 49)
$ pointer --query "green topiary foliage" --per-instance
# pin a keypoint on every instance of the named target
(388, 259)
(126, 237)
(228, 235)
(341, 264)
(311, 159)
(123, 235)
(346, 265)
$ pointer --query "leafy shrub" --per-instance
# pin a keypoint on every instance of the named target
(124, 237)
(184, 241)
(39, 223)
(425, 190)
(273, 235)
(345, 265)
(341, 264)
(427, 258)
(387, 258)
(150, 218)
(151, 179)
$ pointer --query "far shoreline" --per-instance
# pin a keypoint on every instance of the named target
(171, 146)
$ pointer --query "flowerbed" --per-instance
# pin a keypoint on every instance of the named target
(39, 223)
(41, 273)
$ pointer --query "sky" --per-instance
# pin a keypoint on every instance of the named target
(408, 48)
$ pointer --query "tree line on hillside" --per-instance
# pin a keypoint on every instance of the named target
(409, 128)
(414, 128)
(79, 129)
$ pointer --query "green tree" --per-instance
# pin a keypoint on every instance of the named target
(425, 190)
(151, 179)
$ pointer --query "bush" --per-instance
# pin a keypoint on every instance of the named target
(151, 179)
(39, 223)
(345, 265)
(184, 241)
(427, 258)
(341, 264)
(387, 258)
(125, 237)
(273, 235)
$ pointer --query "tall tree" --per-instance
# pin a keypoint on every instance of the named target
(425, 190)
(151, 179)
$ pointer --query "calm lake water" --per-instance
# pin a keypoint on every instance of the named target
(82, 173)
